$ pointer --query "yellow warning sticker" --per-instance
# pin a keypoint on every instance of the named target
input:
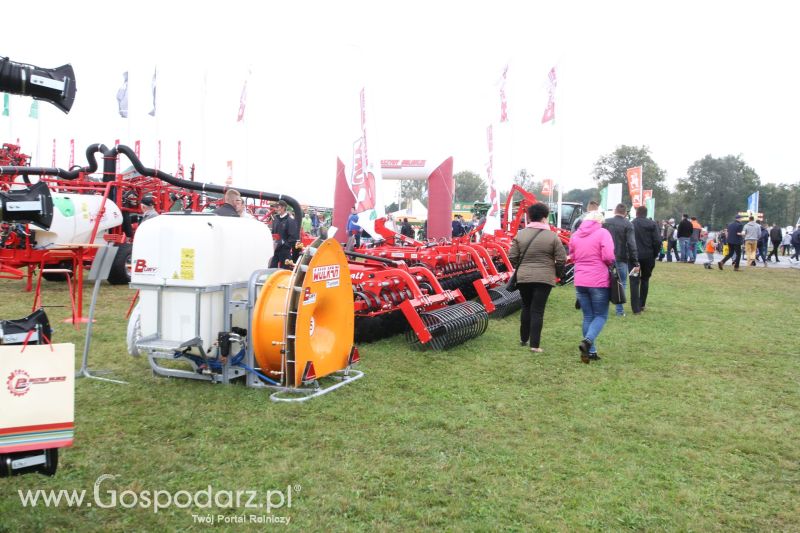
(187, 263)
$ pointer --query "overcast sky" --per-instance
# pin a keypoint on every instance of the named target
(684, 78)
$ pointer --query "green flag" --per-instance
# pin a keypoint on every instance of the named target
(34, 109)
(650, 203)
(604, 198)
(5, 104)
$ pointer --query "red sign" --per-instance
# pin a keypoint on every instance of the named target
(635, 185)
(547, 187)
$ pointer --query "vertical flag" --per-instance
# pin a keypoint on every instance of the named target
(155, 76)
(158, 156)
(5, 104)
(242, 101)
(229, 179)
(646, 195)
(651, 207)
(54, 153)
(752, 203)
(71, 153)
(34, 109)
(550, 110)
(493, 215)
(614, 195)
(547, 187)
(122, 96)
(635, 185)
(365, 175)
(137, 146)
(503, 102)
(604, 198)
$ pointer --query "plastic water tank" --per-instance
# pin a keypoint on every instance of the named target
(184, 257)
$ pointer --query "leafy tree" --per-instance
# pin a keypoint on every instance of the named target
(582, 195)
(527, 182)
(780, 203)
(612, 168)
(392, 207)
(716, 189)
(470, 187)
(414, 190)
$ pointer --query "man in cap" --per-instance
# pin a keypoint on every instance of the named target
(148, 209)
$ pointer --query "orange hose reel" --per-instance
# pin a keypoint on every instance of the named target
(305, 316)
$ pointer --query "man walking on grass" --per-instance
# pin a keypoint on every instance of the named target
(734, 236)
(684, 236)
(648, 244)
(624, 246)
(752, 232)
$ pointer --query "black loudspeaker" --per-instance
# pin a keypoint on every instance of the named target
(54, 85)
(33, 205)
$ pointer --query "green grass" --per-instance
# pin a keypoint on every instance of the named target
(689, 423)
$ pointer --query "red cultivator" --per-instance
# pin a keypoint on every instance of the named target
(390, 296)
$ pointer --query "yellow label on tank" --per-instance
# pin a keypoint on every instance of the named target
(187, 263)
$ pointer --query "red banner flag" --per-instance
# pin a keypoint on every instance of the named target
(550, 110)
(547, 187)
(503, 103)
(646, 195)
(71, 153)
(635, 185)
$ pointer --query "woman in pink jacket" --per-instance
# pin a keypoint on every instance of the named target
(592, 250)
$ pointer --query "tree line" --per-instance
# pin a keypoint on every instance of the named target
(714, 189)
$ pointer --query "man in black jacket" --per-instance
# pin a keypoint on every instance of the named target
(285, 234)
(776, 236)
(734, 237)
(228, 209)
(685, 230)
(624, 246)
(648, 244)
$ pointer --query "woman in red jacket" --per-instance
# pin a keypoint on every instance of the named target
(592, 251)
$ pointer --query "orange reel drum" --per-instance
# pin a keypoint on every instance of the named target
(305, 315)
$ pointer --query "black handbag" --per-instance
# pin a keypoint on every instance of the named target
(511, 284)
(616, 291)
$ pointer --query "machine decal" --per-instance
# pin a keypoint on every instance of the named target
(187, 263)
(325, 273)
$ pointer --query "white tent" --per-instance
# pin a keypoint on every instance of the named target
(417, 212)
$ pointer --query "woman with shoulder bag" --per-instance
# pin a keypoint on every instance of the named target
(592, 251)
(539, 255)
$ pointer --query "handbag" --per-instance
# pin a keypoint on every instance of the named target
(616, 292)
(511, 284)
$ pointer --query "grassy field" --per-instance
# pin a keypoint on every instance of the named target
(690, 422)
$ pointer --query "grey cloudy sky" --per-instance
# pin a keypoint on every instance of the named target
(684, 78)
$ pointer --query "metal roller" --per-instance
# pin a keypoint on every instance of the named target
(451, 325)
(505, 302)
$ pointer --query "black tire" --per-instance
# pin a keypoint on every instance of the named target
(120, 273)
(52, 276)
(51, 465)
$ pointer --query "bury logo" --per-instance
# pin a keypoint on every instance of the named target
(20, 382)
(140, 267)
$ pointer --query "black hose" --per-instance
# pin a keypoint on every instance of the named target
(111, 154)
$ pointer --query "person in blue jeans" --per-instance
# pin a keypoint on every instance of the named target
(592, 250)
(685, 230)
(625, 254)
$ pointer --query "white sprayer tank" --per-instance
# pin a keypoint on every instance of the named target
(74, 216)
(181, 263)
